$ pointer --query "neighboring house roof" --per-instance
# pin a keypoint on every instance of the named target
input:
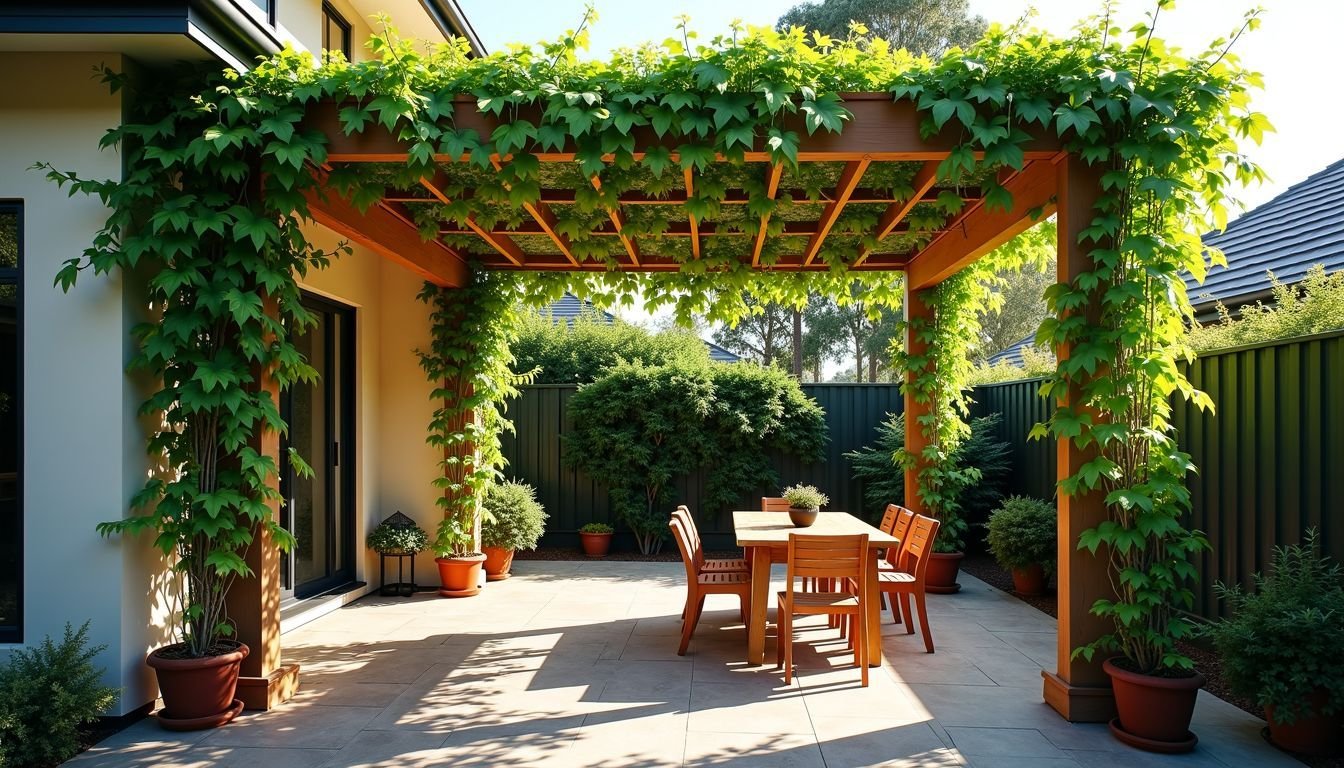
(569, 307)
(1012, 355)
(1302, 226)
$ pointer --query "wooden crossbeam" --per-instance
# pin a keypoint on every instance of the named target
(878, 262)
(849, 180)
(771, 187)
(542, 214)
(499, 241)
(922, 185)
(862, 195)
(978, 231)
(679, 229)
(618, 221)
(695, 225)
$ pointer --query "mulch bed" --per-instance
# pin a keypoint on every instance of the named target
(1206, 659)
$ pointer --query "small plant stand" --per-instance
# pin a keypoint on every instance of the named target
(401, 587)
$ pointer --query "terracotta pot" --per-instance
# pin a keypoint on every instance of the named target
(460, 576)
(1154, 712)
(595, 544)
(1029, 580)
(801, 517)
(1314, 735)
(498, 561)
(941, 577)
(197, 692)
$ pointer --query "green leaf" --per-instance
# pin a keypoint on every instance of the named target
(825, 112)
(1079, 119)
(511, 137)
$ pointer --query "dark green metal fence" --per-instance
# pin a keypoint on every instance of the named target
(541, 415)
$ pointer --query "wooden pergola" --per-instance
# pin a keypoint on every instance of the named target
(882, 139)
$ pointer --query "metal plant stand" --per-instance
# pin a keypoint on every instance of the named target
(400, 587)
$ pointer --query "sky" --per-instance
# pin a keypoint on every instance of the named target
(1296, 49)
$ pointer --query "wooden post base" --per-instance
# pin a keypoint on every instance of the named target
(1078, 703)
(269, 692)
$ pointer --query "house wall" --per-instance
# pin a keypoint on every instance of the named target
(396, 468)
(301, 22)
(84, 453)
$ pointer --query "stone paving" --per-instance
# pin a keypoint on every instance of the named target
(574, 664)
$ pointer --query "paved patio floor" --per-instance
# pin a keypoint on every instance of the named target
(574, 664)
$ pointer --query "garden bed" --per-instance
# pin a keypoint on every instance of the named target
(1206, 660)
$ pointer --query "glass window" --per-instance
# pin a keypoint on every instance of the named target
(11, 424)
(335, 31)
(267, 7)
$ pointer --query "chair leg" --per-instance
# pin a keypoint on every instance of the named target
(909, 617)
(786, 637)
(924, 622)
(744, 606)
(861, 644)
(895, 611)
(688, 624)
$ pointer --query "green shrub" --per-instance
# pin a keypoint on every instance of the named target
(805, 497)
(46, 693)
(884, 482)
(596, 528)
(1315, 305)
(514, 519)
(1023, 532)
(582, 352)
(1285, 639)
(1036, 362)
(388, 538)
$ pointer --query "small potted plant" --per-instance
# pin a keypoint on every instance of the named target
(517, 521)
(1283, 645)
(455, 542)
(1022, 536)
(394, 538)
(805, 501)
(596, 539)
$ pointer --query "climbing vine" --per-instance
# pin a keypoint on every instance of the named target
(219, 176)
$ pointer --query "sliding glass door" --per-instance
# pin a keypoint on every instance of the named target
(319, 510)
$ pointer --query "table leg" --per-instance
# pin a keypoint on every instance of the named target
(873, 615)
(760, 600)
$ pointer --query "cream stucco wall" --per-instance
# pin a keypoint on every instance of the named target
(301, 22)
(84, 451)
(396, 469)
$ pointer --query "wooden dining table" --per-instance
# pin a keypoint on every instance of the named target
(766, 536)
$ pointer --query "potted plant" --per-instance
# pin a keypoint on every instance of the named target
(805, 501)
(517, 521)
(1022, 535)
(398, 535)
(596, 539)
(455, 542)
(1283, 645)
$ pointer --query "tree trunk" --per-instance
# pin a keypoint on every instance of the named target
(872, 368)
(858, 358)
(798, 344)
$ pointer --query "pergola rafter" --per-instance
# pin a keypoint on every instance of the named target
(849, 180)
(899, 209)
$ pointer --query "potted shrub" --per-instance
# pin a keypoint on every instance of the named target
(1283, 646)
(398, 535)
(805, 501)
(516, 521)
(1022, 535)
(596, 539)
(455, 542)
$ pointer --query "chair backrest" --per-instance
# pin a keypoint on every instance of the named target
(683, 514)
(774, 504)
(827, 557)
(687, 549)
(905, 518)
(915, 559)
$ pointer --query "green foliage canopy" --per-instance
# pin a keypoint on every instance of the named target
(929, 27)
(580, 352)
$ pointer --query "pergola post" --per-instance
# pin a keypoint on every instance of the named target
(254, 603)
(1079, 690)
(916, 307)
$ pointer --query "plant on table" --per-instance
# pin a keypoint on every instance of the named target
(389, 538)
(1022, 535)
(1283, 644)
(805, 497)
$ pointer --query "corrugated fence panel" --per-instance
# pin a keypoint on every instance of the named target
(1021, 407)
(535, 455)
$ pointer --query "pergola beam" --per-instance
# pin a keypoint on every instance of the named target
(695, 225)
(978, 230)
(501, 242)
(618, 221)
(541, 213)
(733, 197)
(922, 185)
(771, 187)
(849, 181)
(390, 236)
(675, 229)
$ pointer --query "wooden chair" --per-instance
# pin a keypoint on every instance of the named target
(836, 558)
(774, 504)
(900, 528)
(707, 564)
(908, 580)
(699, 585)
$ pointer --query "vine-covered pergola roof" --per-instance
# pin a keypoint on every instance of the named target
(871, 197)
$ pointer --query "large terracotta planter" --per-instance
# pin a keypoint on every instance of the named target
(197, 693)
(1154, 712)
(1029, 580)
(1315, 735)
(802, 517)
(498, 561)
(460, 576)
(595, 544)
(941, 577)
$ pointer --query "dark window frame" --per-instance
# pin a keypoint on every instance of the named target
(267, 7)
(331, 15)
(14, 276)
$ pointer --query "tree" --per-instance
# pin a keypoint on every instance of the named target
(848, 329)
(763, 336)
(1021, 311)
(921, 26)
